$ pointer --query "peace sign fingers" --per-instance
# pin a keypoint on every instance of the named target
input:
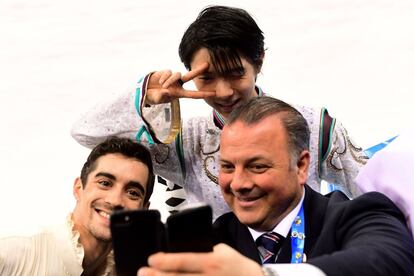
(195, 72)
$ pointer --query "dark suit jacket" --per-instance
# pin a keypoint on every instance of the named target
(363, 236)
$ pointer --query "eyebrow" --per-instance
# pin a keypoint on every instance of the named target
(250, 160)
(108, 175)
(133, 184)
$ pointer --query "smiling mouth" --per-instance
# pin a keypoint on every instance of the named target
(228, 106)
(103, 214)
(247, 199)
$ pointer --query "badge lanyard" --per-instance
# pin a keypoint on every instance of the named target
(298, 237)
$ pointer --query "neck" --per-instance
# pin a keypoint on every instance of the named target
(95, 251)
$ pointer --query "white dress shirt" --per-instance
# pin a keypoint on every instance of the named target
(54, 251)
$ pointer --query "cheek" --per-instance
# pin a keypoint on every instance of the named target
(245, 87)
(224, 181)
(270, 183)
(94, 195)
(84, 208)
(86, 198)
(133, 204)
(203, 86)
(281, 190)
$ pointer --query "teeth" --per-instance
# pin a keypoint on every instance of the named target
(103, 214)
(247, 199)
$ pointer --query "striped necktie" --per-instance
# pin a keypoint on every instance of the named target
(268, 245)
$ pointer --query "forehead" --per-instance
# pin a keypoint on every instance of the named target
(262, 138)
(202, 55)
(124, 168)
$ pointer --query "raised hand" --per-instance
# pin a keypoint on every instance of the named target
(164, 86)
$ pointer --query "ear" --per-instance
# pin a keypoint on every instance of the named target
(77, 188)
(303, 166)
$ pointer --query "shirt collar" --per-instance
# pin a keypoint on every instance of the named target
(72, 250)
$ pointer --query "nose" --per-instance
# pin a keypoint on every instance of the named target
(114, 198)
(224, 89)
(241, 182)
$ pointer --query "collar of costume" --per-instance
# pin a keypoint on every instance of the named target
(79, 250)
(219, 121)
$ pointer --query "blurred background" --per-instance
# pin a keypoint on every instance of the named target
(59, 58)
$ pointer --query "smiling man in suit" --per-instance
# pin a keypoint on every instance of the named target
(264, 161)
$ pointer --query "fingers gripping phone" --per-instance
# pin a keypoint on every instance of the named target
(135, 236)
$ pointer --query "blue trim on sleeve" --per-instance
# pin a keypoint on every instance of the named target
(138, 100)
(141, 131)
(372, 150)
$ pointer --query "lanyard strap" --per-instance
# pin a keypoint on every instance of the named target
(298, 237)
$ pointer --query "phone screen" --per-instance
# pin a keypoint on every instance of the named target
(135, 236)
(190, 230)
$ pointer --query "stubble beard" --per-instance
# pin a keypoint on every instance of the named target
(100, 234)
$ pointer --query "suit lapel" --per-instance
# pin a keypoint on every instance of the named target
(246, 244)
(286, 251)
(237, 235)
(314, 205)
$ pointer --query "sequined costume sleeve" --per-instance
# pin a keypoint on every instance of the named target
(335, 158)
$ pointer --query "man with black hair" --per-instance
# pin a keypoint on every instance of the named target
(223, 49)
(118, 174)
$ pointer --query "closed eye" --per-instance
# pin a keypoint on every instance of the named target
(236, 75)
(258, 168)
(206, 79)
(226, 168)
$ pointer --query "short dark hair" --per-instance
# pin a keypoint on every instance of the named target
(127, 148)
(227, 33)
(259, 108)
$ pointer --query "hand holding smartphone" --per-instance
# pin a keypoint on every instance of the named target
(139, 233)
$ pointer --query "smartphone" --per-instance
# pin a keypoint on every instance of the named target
(190, 230)
(136, 234)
